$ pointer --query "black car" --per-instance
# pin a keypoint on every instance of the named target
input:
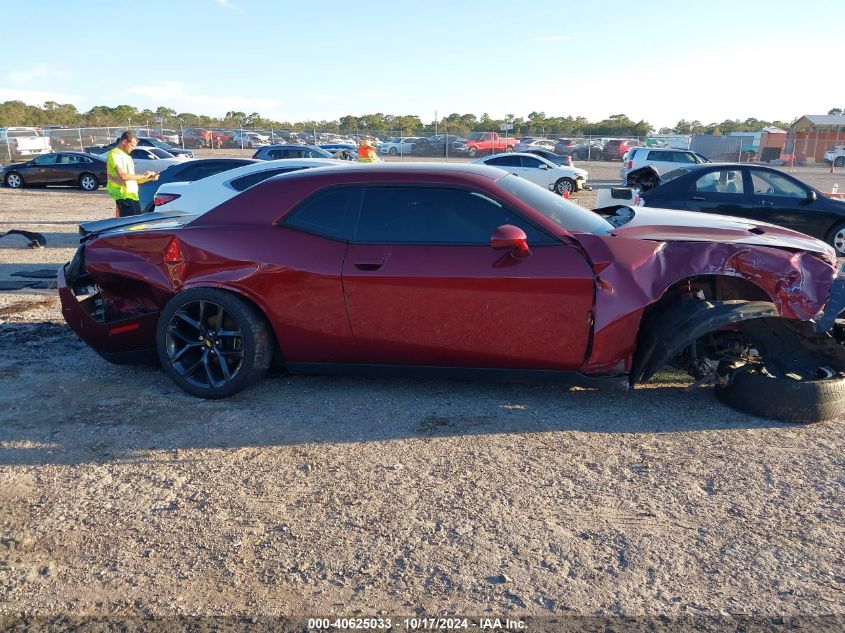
(436, 145)
(274, 152)
(188, 171)
(747, 191)
(557, 159)
(59, 168)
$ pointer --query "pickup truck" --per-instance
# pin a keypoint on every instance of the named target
(479, 143)
(18, 142)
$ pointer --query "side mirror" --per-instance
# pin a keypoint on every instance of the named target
(512, 238)
(543, 166)
(811, 196)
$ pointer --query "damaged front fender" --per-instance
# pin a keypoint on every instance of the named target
(668, 329)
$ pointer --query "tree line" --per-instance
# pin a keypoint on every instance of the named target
(536, 123)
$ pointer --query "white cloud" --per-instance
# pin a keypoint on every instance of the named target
(36, 73)
(227, 4)
(551, 38)
(184, 97)
(37, 97)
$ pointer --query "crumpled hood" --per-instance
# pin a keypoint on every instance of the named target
(667, 225)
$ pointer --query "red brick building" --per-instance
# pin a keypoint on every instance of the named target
(811, 135)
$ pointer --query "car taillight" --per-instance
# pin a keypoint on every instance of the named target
(630, 164)
(164, 198)
(173, 254)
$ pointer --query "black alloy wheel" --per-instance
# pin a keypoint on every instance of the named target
(212, 343)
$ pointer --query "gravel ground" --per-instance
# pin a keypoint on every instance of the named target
(120, 496)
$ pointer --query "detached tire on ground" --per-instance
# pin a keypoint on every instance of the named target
(212, 343)
(785, 399)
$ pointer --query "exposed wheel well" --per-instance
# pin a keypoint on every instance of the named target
(715, 288)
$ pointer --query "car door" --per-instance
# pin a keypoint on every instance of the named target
(66, 169)
(720, 190)
(423, 286)
(780, 199)
(537, 171)
(41, 170)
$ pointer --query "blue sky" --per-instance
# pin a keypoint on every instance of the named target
(295, 61)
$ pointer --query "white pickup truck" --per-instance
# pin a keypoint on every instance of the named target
(19, 142)
(835, 156)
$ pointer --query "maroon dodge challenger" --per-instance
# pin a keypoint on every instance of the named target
(462, 270)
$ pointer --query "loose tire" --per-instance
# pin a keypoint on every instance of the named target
(212, 343)
(836, 239)
(784, 398)
(839, 161)
(564, 185)
(14, 180)
(88, 182)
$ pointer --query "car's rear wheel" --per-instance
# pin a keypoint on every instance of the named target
(393, 151)
(839, 161)
(212, 343)
(88, 182)
(564, 185)
(14, 180)
(836, 238)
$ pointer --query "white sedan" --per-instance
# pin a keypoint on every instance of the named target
(399, 146)
(558, 178)
(153, 159)
(203, 195)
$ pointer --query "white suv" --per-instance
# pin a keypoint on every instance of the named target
(662, 159)
(835, 156)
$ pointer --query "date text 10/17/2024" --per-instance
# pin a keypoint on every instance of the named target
(417, 623)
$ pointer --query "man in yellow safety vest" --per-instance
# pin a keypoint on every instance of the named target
(367, 153)
(123, 182)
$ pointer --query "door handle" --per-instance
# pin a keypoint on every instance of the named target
(369, 265)
(764, 203)
(698, 198)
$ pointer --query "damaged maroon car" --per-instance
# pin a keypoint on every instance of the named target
(461, 271)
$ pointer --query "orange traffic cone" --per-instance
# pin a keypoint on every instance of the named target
(566, 194)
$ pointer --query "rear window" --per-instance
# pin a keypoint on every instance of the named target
(245, 182)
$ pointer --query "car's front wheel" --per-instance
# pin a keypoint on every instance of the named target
(212, 343)
(836, 238)
(88, 182)
(564, 185)
(14, 180)
(839, 161)
(393, 151)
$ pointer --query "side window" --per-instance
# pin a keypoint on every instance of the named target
(774, 184)
(85, 159)
(505, 161)
(534, 163)
(720, 181)
(684, 157)
(327, 213)
(657, 157)
(68, 159)
(245, 182)
(47, 159)
(428, 215)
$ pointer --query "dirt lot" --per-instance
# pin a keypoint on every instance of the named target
(121, 496)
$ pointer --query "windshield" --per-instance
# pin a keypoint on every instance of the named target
(476, 136)
(161, 153)
(671, 175)
(559, 210)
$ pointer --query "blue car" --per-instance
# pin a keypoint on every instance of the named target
(187, 172)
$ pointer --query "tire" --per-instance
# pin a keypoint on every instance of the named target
(14, 180)
(565, 185)
(473, 152)
(836, 238)
(393, 151)
(839, 161)
(188, 329)
(509, 148)
(784, 398)
(89, 182)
